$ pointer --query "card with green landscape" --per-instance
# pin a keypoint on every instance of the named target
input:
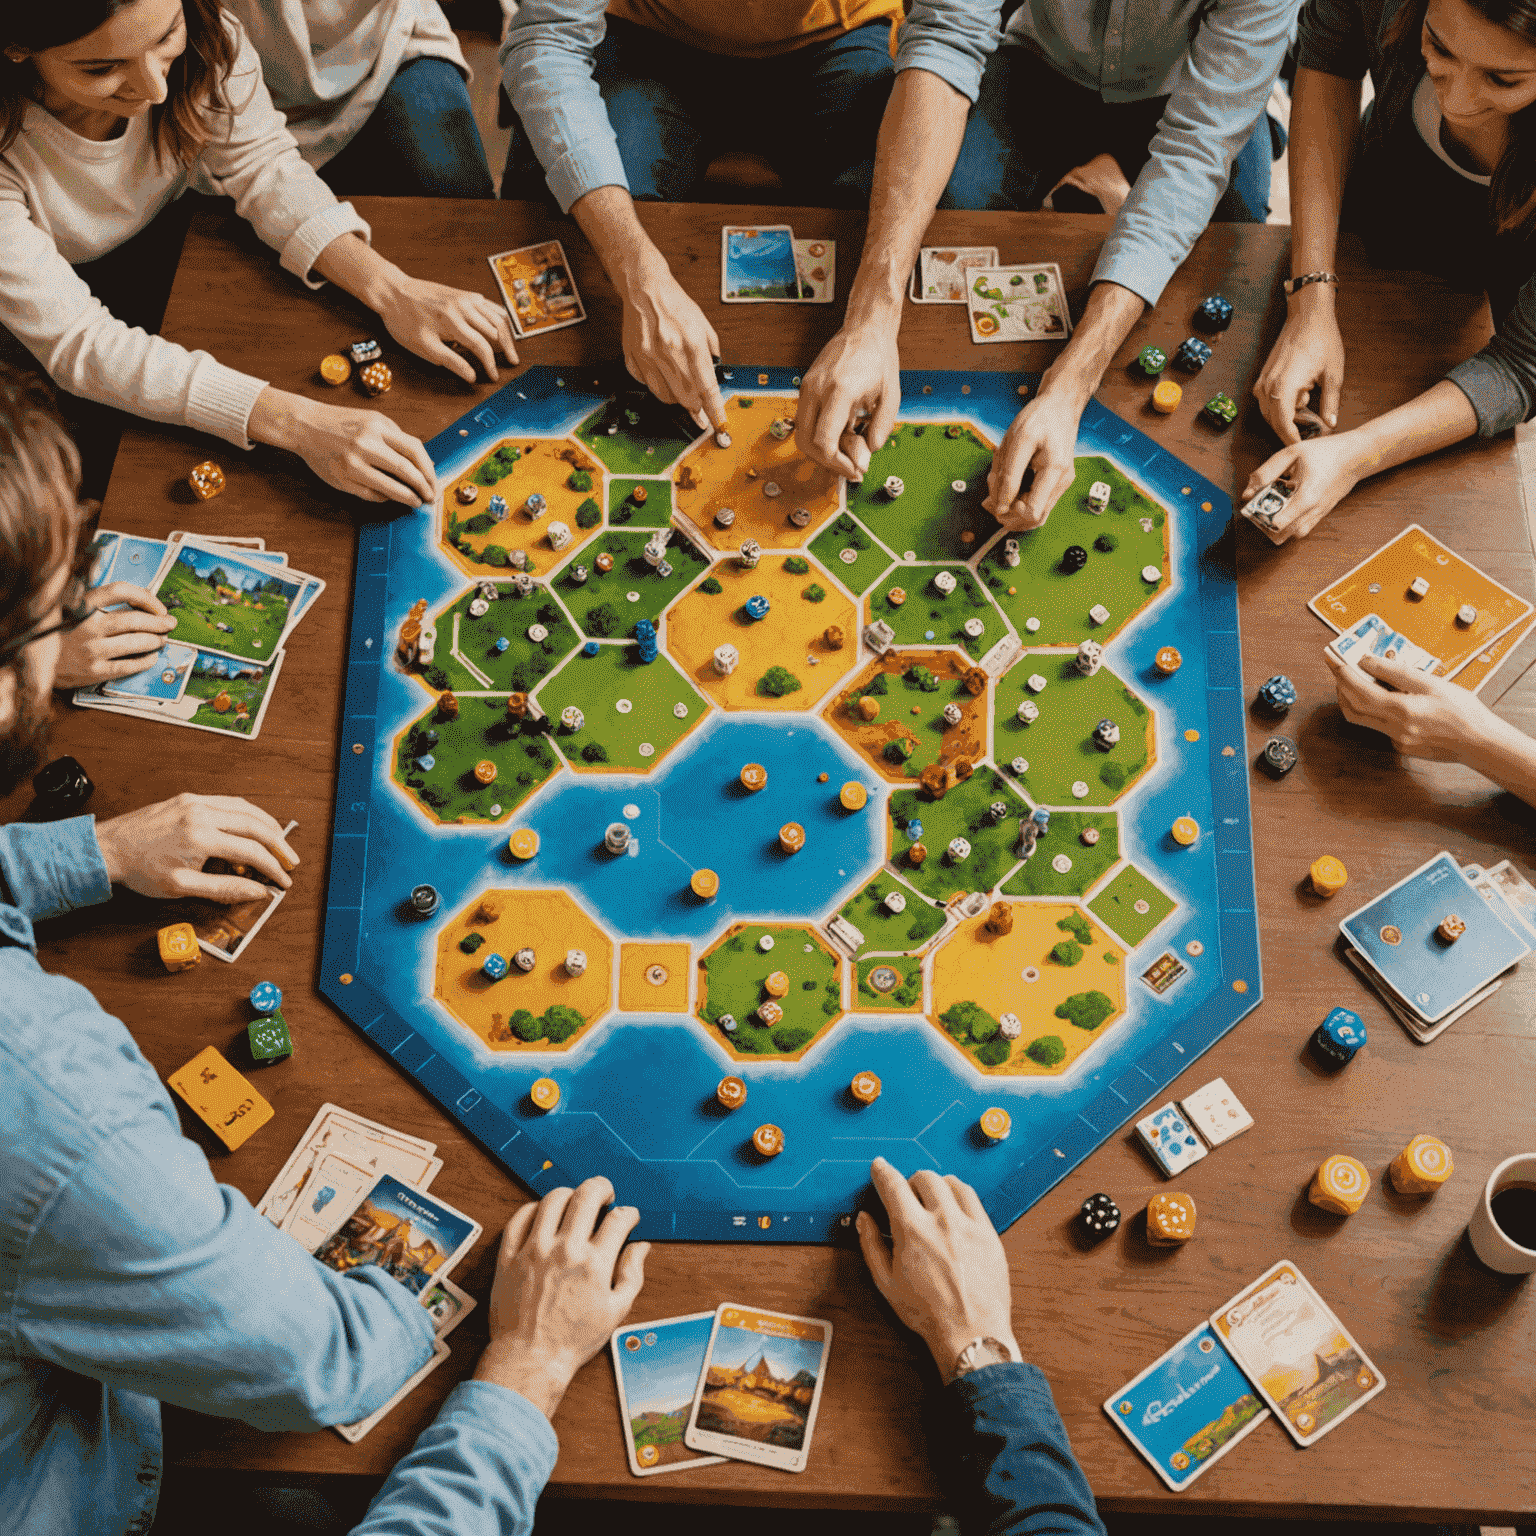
(227, 602)
(658, 1366)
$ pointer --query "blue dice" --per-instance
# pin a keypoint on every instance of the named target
(266, 997)
(497, 507)
(645, 640)
(1278, 694)
(915, 829)
(501, 645)
(757, 607)
(495, 966)
(1214, 313)
(1193, 355)
(1041, 818)
(426, 762)
(1339, 1036)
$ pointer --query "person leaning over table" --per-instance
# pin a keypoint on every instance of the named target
(625, 100)
(109, 112)
(374, 91)
(1440, 177)
(1192, 74)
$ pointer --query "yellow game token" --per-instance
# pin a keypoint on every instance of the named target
(1422, 1166)
(768, 1140)
(647, 1455)
(1166, 397)
(754, 776)
(1328, 875)
(1168, 661)
(523, 843)
(1185, 830)
(545, 1093)
(732, 1092)
(791, 837)
(335, 369)
(777, 984)
(996, 1124)
(1340, 1185)
(485, 771)
(853, 796)
(178, 946)
(865, 1087)
(705, 884)
(896, 596)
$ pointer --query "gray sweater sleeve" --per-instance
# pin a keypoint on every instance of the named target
(1334, 36)
(1500, 381)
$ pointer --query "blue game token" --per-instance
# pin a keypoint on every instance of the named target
(927, 634)
(495, 966)
(914, 829)
(426, 762)
(1339, 1036)
(266, 997)
(501, 644)
(591, 648)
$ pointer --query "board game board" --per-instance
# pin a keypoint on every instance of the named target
(881, 709)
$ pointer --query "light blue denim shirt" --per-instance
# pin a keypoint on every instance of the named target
(128, 1277)
(1214, 59)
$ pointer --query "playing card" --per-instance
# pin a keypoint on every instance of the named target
(221, 695)
(1516, 890)
(1411, 1021)
(447, 1305)
(332, 1195)
(413, 1237)
(1373, 636)
(225, 931)
(164, 678)
(942, 273)
(1188, 1408)
(1167, 1136)
(657, 1367)
(1021, 303)
(817, 261)
(355, 1432)
(757, 265)
(537, 288)
(1216, 1112)
(1297, 1353)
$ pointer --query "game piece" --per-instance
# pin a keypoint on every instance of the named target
(1011, 558)
(916, 854)
(1000, 919)
(178, 946)
(801, 517)
(772, 489)
(1216, 1112)
(575, 962)
(523, 843)
(731, 1093)
(522, 584)
(1073, 558)
(1278, 694)
(1098, 1217)
(1340, 1185)
(1220, 410)
(366, 351)
(727, 1022)
(1105, 735)
(832, 637)
(952, 714)
(944, 583)
(1151, 361)
(853, 796)
(221, 1098)
(1010, 1026)
(558, 534)
(1267, 504)
(975, 682)
(974, 628)
(1035, 683)
(768, 1141)
(1185, 830)
(725, 659)
(756, 607)
(959, 850)
(1151, 574)
(1170, 1140)
(1279, 755)
(894, 902)
(893, 487)
(268, 1039)
(896, 596)
(377, 378)
(494, 966)
(865, 1087)
(754, 776)
(1099, 614)
(1168, 660)
(525, 960)
(485, 771)
(791, 837)
(997, 812)
(604, 562)
(265, 997)
(777, 984)
(544, 1094)
(1170, 1219)
(1418, 587)
(869, 707)
(63, 786)
(1421, 1167)
(1213, 313)
(497, 507)
(722, 439)
(705, 884)
(995, 1125)
(206, 480)
(616, 837)
(502, 643)
(518, 560)
(1193, 355)
(1328, 875)
(335, 369)
(517, 706)
(571, 718)
(1451, 928)
(724, 517)
(878, 636)
(1466, 615)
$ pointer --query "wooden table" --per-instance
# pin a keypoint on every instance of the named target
(1451, 1439)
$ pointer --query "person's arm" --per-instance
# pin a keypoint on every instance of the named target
(564, 1281)
(946, 1276)
(116, 644)
(1432, 718)
(942, 48)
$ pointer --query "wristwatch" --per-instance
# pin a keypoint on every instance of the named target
(984, 1351)
(1294, 284)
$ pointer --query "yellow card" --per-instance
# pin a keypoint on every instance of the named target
(221, 1098)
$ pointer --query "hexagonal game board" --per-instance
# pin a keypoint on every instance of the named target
(721, 770)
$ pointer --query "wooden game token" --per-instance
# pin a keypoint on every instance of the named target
(869, 707)
(777, 984)
(769, 1013)
(604, 562)
(995, 1124)
(178, 946)
(206, 480)
(832, 637)
(485, 771)
(1328, 875)
(545, 1093)
(705, 884)
(1185, 830)
(1168, 661)
(1422, 1166)
(1340, 1185)
(1000, 919)
(896, 596)
(731, 1093)
(916, 854)
(821, 778)
(523, 843)
(335, 369)
(1166, 397)
(1451, 928)
(853, 796)
(638, 495)
(865, 1087)
(768, 1141)
(1170, 1219)
(791, 837)
(754, 776)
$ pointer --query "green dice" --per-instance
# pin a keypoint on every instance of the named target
(269, 1039)
(1221, 410)
(1152, 361)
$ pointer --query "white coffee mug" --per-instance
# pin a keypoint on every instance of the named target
(1489, 1242)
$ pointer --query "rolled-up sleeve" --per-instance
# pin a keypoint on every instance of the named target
(546, 65)
(951, 39)
(1500, 381)
(51, 867)
(1220, 91)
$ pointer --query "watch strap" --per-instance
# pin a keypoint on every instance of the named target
(982, 1351)
(1294, 284)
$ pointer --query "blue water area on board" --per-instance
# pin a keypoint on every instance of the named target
(637, 1092)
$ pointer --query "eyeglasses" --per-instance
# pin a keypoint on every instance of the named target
(75, 605)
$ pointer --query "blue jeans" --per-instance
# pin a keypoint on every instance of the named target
(419, 141)
(1031, 125)
(812, 113)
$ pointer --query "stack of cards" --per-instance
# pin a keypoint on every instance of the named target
(235, 604)
(1399, 942)
(537, 288)
(1021, 303)
(739, 1383)
(353, 1193)
(766, 264)
(1373, 636)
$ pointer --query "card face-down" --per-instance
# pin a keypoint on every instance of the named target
(657, 1366)
(355, 1432)
(1216, 1112)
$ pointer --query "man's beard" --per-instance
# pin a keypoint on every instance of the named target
(22, 749)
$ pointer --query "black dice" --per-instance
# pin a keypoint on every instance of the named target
(1098, 1218)
(1074, 557)
(63, 787)
(1279, 755)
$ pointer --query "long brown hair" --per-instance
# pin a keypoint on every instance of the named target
(180, 125)
(1512, 188)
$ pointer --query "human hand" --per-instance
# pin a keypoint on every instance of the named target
(1428, 717)
(1308, 353)
(1042, 442)
(856, 376)
(669, 346)
(1324, 471)
(564, 1281)
(160, 850)
(944, 1270)
(112, 645)
(430, 319)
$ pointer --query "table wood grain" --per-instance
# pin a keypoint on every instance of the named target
(1451, 1439)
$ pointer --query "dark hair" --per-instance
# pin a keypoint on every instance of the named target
(1512, 188)
(181, 125)
(41, 515)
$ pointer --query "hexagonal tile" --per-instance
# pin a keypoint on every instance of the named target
(963, 811)
(630, 710)
(848, 549)
(889, 984)
(1059, 973)
(446, 789)
(612, 602)
(636, 434)
(543, 1009)
(926, 616)
(654, 510)
(733, 978)
(885, 931)
(787, 647)
(1086, 865)
(930, 519)
(1132, 905)
(466, 657)
(1058, 744)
